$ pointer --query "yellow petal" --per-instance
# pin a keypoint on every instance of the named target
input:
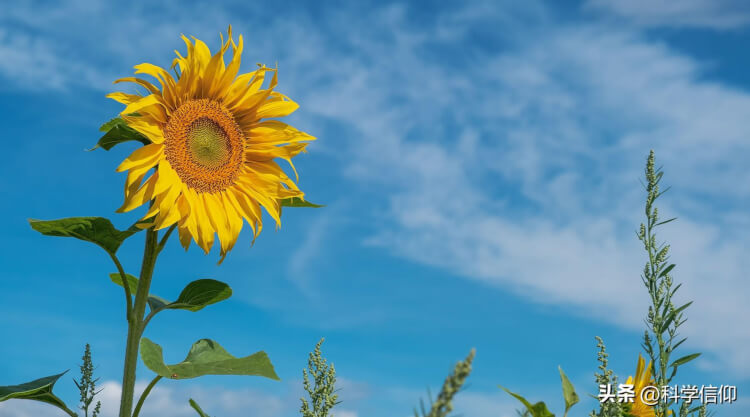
(276, 108)
(147, 85)
(146, 127)
(124, 98)
(248, 208)
(274, 132)
(140, 197)
(150, 105)
(143, 156)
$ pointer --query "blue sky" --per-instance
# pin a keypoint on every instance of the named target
(480, 163)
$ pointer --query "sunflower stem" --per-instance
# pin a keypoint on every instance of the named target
(135, 322)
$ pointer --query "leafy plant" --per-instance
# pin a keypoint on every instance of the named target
(322, 392)
(443, 404)
(87, 385)
(663, 317)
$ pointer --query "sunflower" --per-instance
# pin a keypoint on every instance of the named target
(212, 151)
(642, 379)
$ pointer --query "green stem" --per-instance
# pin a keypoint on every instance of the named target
(126, 285)
(135, 322)
(144, 395)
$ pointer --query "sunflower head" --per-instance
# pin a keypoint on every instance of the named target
(211, 162)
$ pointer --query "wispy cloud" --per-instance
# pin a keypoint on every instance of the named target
(715, 14)
(508, 156)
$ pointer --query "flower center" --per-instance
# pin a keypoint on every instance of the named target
(204, 145)
(208, 142)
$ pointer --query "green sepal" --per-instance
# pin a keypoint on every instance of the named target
(297, 202)
(117, 131)
(37, 390)
(206, 357)
(537, 410)
(197, 408)
(569, 392)
(97, 230)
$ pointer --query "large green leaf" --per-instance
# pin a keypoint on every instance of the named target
(537, 410)
(297, 202)
(197, 408)
(569, 393)
(117, 131)
(37, 390)
(96, 230)
(206, 357)
(154, 302)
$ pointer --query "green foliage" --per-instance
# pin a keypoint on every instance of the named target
(201, 293)
(206, 357)
(663, 317)
(87, 385)
(569, 393)
(606, 377)
(117, 131)
(195, 296)
(443, 404)
(37, 390)
(540, 408)
(96, 230)
(322, 393)
(535, 410)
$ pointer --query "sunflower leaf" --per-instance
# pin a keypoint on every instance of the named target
(197, 408)
(206, 357)
(201, 293)
(154, 302)
(298, 202)
(37, 390)
(569, 393)
(117, 131)
(537, 410)
(96, 230)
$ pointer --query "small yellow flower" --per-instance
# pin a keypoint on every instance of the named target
(642, 379)
(211, 151)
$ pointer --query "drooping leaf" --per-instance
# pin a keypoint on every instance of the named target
(298, 202)
(201, 293)
(97, 230)
(537, 410)
(569, 393)
(154, 302)
(197, 408)
(37, 390)
(206, 357)
(117, 131)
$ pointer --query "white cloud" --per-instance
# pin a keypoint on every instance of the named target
(565, 119)
(716, 14)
